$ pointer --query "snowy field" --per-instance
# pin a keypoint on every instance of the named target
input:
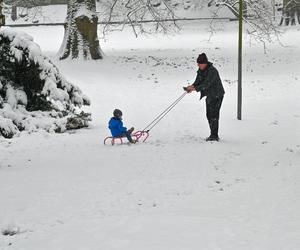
(176, 191)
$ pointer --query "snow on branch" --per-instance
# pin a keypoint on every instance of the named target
(133, 11)
(33, 94)
(258, 16)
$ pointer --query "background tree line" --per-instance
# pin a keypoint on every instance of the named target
(81, 26)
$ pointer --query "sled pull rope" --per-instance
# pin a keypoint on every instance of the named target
(163, 114)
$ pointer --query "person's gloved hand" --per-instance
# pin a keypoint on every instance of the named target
(189, 88)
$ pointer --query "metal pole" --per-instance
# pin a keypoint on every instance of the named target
(240, 62)
(274, 9)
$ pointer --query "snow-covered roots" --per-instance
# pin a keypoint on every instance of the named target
(33, 94)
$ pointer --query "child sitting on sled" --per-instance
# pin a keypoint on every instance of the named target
(116, 126)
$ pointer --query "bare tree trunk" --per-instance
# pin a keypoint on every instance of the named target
(2, 17)
(14, 13)
(81, 38)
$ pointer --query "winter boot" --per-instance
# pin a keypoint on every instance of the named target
(214, 129)
(212, 138)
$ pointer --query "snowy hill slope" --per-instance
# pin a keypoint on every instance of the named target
(176, 191)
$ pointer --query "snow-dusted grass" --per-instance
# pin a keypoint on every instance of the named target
(176, 191)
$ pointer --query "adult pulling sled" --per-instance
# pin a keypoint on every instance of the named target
(142, 135)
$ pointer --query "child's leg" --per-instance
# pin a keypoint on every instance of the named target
(130, 130)
(128, 135)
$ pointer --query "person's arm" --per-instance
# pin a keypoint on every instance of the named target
(110, 125)
(121, 127)
(196, 84)
(192, 87)
(205, 83)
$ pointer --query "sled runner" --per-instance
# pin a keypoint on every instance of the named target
(142, 135)
(138, 136)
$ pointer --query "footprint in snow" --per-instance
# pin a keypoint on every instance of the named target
(157, 143)
(275, 123)
(217, 167)
(220, 186)
(216, 186)
(234, 154)
(190, 138)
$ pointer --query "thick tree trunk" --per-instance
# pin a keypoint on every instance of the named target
(290, 12)
(81, 39)
(2, 17)
(14, 13)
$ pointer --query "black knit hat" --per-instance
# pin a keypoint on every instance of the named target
(117, 113)
(202, 59)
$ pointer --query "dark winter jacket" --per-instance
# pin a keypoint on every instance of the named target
(209, 82)
(116, 126)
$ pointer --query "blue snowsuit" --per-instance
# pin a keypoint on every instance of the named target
(118, 130)
(116, 127)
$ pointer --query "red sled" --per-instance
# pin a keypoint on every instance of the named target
(143, 135)
(138, 136)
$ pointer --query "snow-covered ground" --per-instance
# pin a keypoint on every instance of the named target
(176, 191)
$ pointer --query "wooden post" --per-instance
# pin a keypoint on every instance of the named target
(240, 51)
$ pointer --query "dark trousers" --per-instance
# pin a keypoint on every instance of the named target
(127, 134)
(213, 106)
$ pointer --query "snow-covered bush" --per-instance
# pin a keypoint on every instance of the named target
(33, 94)
(10, 230)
